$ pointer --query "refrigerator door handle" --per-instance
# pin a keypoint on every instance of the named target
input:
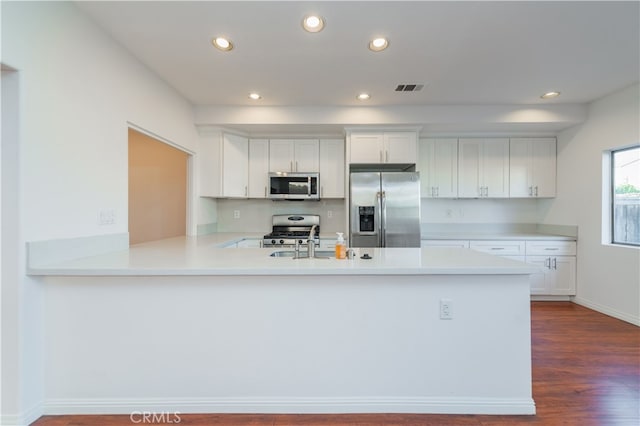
(378, 217)
(383, 222)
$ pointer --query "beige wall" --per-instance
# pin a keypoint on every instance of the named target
(157, 189)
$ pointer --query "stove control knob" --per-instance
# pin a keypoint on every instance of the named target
(273, 241)
(281, 241)
(300, 241)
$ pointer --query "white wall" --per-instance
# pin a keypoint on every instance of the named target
(78, 90)
(608, 276)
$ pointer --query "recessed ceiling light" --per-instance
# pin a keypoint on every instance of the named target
(363, 97)
(378, 44)
(255, 96)
(550, 95)
(222, 43)
(313, 23)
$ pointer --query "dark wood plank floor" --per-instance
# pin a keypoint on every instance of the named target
(586, 371)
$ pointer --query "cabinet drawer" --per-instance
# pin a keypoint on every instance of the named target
(547, 248)
(499, 248)
(444, 243)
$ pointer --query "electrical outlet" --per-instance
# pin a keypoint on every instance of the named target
(329, 214)
(449, 213)
(107, 217)
(236, 214)
(446, 309)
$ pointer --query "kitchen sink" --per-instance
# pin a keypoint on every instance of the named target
(320, 254)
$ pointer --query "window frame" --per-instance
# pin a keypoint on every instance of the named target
(611, 195)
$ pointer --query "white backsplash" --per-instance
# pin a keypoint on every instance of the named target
(255, 215)
(504, 211)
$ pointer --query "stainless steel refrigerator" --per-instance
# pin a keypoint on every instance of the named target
(384, 209)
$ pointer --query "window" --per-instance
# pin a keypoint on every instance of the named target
(625, 196)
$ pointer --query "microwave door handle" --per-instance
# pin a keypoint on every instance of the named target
(308, 184)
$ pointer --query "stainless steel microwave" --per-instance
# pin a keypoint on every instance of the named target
(294, 186)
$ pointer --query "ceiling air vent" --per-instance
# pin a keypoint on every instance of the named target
(409, 87)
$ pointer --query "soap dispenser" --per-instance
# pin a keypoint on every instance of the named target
(341, 247)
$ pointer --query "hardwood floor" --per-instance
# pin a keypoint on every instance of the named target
(586, 371)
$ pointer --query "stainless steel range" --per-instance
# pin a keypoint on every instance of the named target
(289, 228)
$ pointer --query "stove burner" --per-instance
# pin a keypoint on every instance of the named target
(289, 229)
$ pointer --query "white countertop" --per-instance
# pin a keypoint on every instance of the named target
(191, 256)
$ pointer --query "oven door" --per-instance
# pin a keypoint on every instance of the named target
(294, 186)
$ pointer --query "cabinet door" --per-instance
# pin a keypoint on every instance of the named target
(281, 155)
(563, 270)
(469, 158)
(558, 278)
(540, 280)
(366, 148)
(544, 167)
(438, 167)
(400, 147)
(235, 178)
(258, 168)
(306, 155)
(520, 168)
(532, 167)
(495, 168)
(332, 168)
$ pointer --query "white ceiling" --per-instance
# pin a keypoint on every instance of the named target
(466, 53)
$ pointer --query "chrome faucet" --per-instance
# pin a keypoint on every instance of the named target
(311, 245)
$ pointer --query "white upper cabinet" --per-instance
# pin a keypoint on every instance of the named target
(532, 167)
(366, 147)
(258, 168)
(289, 155)
(224, 165)
(400, 147)
(332, 168)
(235, 169)
(383, 147)
(438, 167)
(483, 168)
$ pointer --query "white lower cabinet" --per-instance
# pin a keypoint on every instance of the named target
(249, 243)
(501, 248)
(558, 278)
(445, 243)
(558, 260)
(328, 243)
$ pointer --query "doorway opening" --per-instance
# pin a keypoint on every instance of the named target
(158, 189)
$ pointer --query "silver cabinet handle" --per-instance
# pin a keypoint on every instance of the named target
(381, 159)
(536, 191)
(437, 191)
(496, 248)
(547, 263)
(555, 263)
(531, 191)
(386, 156)
(296, 166)
(246, 192)
(265, 192)
(322, 191)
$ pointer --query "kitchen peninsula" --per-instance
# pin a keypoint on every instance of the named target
(183, 325)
